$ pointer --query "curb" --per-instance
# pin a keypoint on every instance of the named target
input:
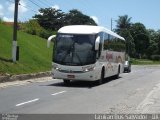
(21, 77)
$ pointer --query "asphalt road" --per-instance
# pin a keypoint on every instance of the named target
(134, 92)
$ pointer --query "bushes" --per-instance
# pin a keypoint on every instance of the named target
(33, 27)
(1, 21)
(155, 57)
(45, 33)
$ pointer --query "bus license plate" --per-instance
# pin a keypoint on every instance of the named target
(71, 76)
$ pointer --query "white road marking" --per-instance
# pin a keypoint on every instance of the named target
(27, 102)
(150, 100)
(58, 93)
(34, 100)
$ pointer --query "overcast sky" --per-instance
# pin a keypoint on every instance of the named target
(144, 11)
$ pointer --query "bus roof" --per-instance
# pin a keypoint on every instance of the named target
(86, 29)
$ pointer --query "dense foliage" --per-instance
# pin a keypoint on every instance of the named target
(75, 17)
(33, 27)
(50, 18)
(1, 21)
(140, 42)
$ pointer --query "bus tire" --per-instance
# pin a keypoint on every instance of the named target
(66, 81)
(101, 80)
(117, 75)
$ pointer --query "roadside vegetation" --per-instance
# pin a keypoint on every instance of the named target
(142, 45)
(49, 20)
(34, 54)
(135, 61)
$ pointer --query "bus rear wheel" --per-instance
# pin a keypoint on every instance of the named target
(117, 75)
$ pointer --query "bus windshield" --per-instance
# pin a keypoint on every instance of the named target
(74, 49)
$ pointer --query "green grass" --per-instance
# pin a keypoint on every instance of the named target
(144, 62)
(34, 54)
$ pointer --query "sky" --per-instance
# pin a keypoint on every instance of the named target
(143, 11)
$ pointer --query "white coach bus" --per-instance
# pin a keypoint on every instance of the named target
(88, 53)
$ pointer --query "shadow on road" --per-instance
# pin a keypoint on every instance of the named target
(82, 84)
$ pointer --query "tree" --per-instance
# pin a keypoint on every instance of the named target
(141, 39)
(123, 22)
(123, 29)
(153, 48)
(158, 41)
(75, 17)
(50, 18)
(130, 46)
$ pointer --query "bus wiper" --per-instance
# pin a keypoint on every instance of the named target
(68, 52)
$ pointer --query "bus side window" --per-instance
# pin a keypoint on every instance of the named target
(113, 43)
(106, 41)
(110, 42)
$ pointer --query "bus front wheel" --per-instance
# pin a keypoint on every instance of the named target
(102, 78)
(66, 81)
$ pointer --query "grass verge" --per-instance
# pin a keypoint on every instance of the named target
(34, 54)
(144, 62)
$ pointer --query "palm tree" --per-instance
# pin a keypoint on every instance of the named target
(123, 23)
(123, 29)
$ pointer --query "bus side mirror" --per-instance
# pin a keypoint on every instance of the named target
(97, 43)
(49, 40)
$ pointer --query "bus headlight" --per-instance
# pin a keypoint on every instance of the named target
(88, 68)
(56, 67)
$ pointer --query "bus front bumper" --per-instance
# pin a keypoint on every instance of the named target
(85, 76)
